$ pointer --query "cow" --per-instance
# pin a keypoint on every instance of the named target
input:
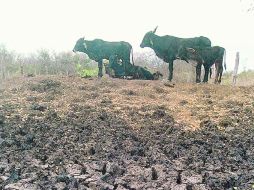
(206, 57)
(116, 70)
(167, 47)
(98, 50)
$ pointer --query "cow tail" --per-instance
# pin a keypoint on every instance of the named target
(224, 59)
(132, 56)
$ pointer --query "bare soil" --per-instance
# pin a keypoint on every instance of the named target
(73, 133)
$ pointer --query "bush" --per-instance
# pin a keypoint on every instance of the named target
(86, 72)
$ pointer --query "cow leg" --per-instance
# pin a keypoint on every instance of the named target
(219, 80)
(216, 77)
(198, 73)
(220, 75)
(206, 74)
(170, 69)
(219, 71)
(100, 68)
(112, 65)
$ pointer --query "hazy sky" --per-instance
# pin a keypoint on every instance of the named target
(27, 25)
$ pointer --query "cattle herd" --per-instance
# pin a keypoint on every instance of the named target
(168, 48)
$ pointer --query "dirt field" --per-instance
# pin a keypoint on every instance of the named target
(73, 133)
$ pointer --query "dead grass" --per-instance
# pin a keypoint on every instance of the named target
(188, 103)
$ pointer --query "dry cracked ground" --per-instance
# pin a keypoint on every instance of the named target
(112, 134)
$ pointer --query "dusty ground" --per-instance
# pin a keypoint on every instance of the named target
(73, 133)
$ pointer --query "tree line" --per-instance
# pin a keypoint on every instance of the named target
(42, 62)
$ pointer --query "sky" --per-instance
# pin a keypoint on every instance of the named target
(29, 25)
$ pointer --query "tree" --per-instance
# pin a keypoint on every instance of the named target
(44, 59)
(7, 62)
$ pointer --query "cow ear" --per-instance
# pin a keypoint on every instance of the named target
(191, 50)
(85, 46)
(155, 29)
(151, 42)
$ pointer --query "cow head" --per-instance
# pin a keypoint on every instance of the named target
(80, 45)
(186, 54)
(183, 53)
(148, 39)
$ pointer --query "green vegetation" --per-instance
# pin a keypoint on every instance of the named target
(85, 71)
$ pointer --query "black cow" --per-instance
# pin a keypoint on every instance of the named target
(98, 50)
(206, 57)
(115, 69)
(167, 47)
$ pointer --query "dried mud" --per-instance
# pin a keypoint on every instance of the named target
(72, 133)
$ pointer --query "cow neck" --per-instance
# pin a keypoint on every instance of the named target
(154, 39)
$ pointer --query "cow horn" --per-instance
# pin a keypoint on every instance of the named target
(155, 29)
(191, 50)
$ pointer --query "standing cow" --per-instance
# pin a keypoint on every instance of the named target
(206, 57)
(98, 50)
(167, 47)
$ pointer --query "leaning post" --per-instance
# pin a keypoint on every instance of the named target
(236, 68)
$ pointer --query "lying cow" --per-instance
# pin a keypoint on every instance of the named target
(115, 69)
(206, 57)
(98, 50)
(167, 47)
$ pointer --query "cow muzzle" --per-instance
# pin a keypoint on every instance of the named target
(74, 50)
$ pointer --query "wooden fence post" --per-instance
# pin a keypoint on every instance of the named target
(236, 68)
